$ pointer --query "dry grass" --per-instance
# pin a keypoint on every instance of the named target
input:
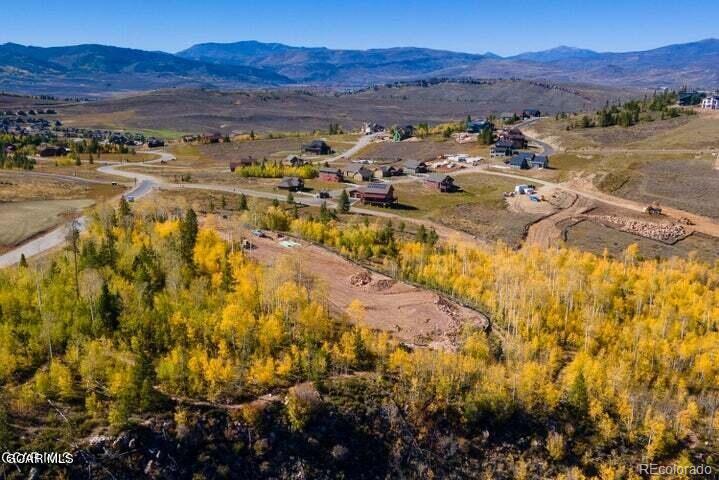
(596, 238)
(421, 150)
(479, 209)
(19, 186)
(20, 221)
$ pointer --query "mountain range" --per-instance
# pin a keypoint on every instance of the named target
(99, 69)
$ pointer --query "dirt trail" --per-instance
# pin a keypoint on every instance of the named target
(413, 315)
(546, 233)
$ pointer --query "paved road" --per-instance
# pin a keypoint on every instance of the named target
(56, 237)
(361, 143)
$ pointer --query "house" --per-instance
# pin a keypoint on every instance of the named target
(440, 182)
(369, 128)
(386, 171)
(478, 126)
(413, 167)
(294, 161)
(515, 136)
(530, 113)
(293, 184)
(503, 148)
(539, 161)
(711, 102)
(508, 117)
(189, 138)
(243, 162)
(329, 174)
(210, 137)
(52, 151)
(317, 147)
(402, 133)
(685, 99)
(357, 173)
(375, 193)
(153, 142)
(521, 160)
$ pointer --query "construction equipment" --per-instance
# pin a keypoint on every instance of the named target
(653, 209)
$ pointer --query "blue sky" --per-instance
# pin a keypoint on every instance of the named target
(477, 26)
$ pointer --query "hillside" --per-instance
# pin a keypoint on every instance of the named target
(291, 110)
(92, 69)
(99, 69)
(674, 65)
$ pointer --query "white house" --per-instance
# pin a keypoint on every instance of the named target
(711, 103)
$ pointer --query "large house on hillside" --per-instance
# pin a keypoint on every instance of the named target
(503, 148)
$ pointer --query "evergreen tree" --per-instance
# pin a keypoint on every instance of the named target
(188, 235)
(343, 203)
(290, 198)
(242, 202)
(23, 261)
(109, 307)
(125, 210)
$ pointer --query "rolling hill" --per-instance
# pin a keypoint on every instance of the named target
(285, 109)
(102, 70)
(90, 69)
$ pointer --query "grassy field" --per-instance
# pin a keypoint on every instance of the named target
(19, 186)
(275, 149)
(422, 150)
(595, 238)
(479, 209)
(20, 221)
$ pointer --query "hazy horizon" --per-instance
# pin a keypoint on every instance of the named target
(455, 26)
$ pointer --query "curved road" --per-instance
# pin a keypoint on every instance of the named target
(47, 241)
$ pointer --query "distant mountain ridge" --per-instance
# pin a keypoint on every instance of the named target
(100, 69)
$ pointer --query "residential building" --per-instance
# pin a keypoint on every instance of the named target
(440, 182)
(521, 160)
(530, 113)
(413, 167)
(375, 193)
(711, 102)
(503, 148)
(385, 171)
(294, 161)
(539, 161)
(243, 162)
(292, 184)
(317, 147)
(357, 173)
(330, 174)
(478, 126)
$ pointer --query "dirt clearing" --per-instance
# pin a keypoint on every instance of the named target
(411, 314)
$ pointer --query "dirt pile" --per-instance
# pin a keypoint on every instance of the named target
(360, 279)
(383, 284)
(662, 232)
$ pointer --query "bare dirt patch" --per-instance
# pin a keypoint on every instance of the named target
(411, 314)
